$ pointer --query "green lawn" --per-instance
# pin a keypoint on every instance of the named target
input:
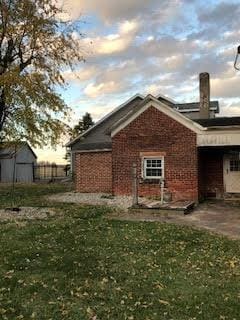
(80, 265)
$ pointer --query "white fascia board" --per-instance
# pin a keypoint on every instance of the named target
(194, 110)
(91, 151)
(197, 128)
(104, 118)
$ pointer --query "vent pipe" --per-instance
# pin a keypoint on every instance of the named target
(204, 87)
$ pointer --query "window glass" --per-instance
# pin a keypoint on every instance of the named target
(153, 168)
(234, 165)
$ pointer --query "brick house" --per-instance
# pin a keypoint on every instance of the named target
(195, 153)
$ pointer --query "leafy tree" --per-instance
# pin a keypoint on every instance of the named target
(36, 46)
(84, 123)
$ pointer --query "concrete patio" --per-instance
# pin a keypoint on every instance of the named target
(216, 216)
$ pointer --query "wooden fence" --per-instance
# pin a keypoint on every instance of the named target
(50, 171)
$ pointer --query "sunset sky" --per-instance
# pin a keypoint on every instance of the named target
(140, 46)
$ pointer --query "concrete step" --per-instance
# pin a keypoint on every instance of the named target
(178, 207)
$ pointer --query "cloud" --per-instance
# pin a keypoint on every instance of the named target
(96, 90)
(152, 89)
(157, 89)
(228, 87)
(169, 47)
(112, 11)
(96, 109)
(80, 75)
(230, 107)
(224, 14)
(134, 56)
(175, 62)
(114, 43)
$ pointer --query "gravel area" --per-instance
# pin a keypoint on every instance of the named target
(121, 202)
(26, 213)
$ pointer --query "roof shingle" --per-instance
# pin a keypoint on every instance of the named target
(219, 122)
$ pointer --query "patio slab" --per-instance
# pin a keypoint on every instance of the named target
(216, 216)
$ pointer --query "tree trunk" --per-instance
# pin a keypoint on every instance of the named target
(2, 110)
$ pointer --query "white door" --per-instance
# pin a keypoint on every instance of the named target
(232, 174)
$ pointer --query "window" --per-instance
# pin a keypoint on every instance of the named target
(153, 168)
(234, 165)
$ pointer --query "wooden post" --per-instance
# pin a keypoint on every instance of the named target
(135, 185)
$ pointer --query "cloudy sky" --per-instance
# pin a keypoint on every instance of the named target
(152, 46)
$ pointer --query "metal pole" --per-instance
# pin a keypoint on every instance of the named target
(14, 176)
(162, 190)
(135, 185)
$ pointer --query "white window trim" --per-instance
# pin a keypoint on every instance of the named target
(144, 167)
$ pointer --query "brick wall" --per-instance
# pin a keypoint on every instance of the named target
(153, 131)
(211, 173)
(93, 172)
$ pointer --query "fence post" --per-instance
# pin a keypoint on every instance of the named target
(135, 185)
(52, 171)
(33, 171)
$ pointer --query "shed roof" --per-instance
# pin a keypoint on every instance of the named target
(8, 149)
(219, 122)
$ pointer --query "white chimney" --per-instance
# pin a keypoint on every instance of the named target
(204, 86)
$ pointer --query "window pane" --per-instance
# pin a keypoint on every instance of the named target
(234, 165)
(149, 163)
(159, 163)
(154, 172)
(154, 163)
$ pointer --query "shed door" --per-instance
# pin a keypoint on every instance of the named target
(232, 174)
(24, 172)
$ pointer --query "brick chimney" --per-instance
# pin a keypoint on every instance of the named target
(204, 86)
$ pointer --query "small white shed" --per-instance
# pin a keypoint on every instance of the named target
(17, 159)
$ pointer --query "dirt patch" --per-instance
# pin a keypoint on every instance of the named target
(28, 213)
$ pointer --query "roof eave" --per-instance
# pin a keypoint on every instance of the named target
(233, 127)
(196, 110)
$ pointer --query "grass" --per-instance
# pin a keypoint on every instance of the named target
(80, 265)
(29, 195)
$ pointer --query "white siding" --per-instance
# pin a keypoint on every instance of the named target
(24, 167)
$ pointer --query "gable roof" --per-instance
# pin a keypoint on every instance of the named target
(9, 149)
(164, 108)
(98, 135)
